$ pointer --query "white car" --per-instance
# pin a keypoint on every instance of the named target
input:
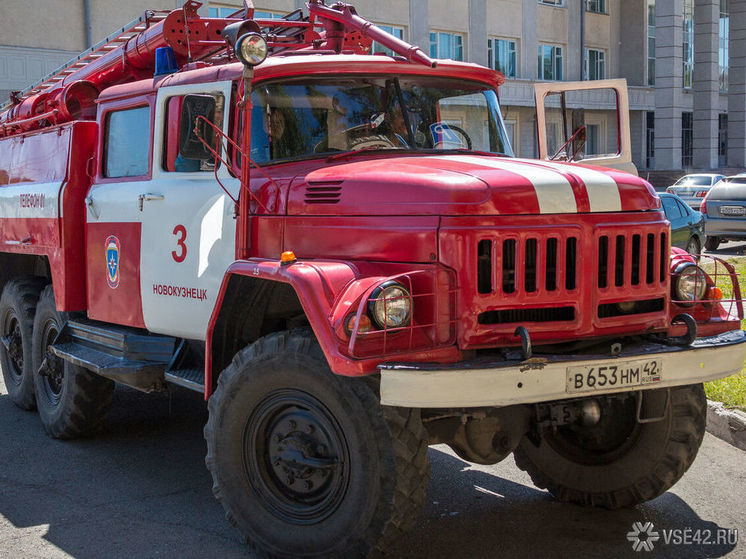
(693, 188)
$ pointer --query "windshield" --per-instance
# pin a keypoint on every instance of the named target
(693, 181)
(311, 117)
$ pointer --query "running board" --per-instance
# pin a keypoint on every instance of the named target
(127, 355)
(193, 379)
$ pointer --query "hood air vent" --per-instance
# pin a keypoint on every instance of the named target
(323, 192)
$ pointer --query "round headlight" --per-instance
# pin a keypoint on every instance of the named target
(251, 49)
(690, 283)
(390, 305)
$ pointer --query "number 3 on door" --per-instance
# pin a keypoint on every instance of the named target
(181, 250)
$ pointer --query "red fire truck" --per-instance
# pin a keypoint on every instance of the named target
(326, 232)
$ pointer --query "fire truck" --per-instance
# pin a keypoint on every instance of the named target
(326, 232)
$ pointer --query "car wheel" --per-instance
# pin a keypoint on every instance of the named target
(307, 463)
(72, 402)
(17, 309)
(712, 243)
(620, 462)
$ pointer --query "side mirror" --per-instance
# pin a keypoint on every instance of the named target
(190, 146)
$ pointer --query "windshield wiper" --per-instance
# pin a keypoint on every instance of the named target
(352, 152)
(478, 152)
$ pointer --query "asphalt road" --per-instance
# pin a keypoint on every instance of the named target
(141, 490)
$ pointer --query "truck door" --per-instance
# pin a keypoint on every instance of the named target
(188, 223)
(585, 122)
(113, 228)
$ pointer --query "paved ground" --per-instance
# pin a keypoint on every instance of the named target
(141, 490)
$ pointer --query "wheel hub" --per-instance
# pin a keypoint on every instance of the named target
(296, 457)
(52, 369)
(13, 341)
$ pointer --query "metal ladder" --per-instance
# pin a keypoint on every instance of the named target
(110, 43)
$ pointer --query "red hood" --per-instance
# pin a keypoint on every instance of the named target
(465, 185)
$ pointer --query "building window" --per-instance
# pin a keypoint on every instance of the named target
(227, 11)
(560, 3)
(651, 42)
(501, 56)
(724, 36)
(688, 54)
(687, 135)
(650, 140)
(446, 45)
(594, 64)
(596, 6)
(592, 139)
(397, 32)
(550, 62)
(723, 140)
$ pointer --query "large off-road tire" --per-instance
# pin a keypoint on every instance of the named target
(635, 463)
(17, 308)
(72, 402)
(365, 467)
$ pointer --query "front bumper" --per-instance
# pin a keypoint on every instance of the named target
(544, 378)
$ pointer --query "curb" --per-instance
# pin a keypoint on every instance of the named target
(726, 424)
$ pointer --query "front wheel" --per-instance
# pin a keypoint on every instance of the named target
(620, 462)
(309, 464)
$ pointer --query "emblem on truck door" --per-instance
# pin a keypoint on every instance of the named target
(112, 261)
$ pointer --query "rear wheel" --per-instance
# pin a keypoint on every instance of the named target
(17, 309)
(309, 464)
(712, 243)
(620, 462)
(72, 401)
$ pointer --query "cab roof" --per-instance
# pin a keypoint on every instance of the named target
(311, 64)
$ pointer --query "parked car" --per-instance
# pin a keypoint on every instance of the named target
(724, 210)
(693, 188)
(687, 225)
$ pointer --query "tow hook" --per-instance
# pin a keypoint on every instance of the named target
(691, 330)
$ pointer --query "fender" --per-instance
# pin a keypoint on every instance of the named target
(327, 291)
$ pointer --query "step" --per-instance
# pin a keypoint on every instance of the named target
(127, 355)
(193, 379)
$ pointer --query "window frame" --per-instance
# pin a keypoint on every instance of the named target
(492, 51)
(386, 27)
(553, 54)
(553, 3)
(116, 107)
(454, 46)
(602, 7)
(587, 63)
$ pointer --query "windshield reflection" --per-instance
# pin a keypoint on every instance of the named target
(316, 117)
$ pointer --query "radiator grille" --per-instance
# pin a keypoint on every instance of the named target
(529, 265)
(631, 259)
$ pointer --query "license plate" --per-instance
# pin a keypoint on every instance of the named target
(583, 378)
(732, 210)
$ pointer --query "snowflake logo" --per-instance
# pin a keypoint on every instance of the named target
(643, 536)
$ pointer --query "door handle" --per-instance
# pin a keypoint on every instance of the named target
(91, 206)
(148, 197)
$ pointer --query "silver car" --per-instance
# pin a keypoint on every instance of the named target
(724, 209)
(693, 188)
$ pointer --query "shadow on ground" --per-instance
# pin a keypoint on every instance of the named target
(141, 490)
